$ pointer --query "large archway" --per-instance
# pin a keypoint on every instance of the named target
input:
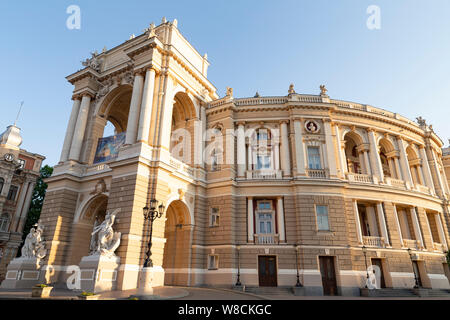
(111, 126)
(177, 251)
(92, 214)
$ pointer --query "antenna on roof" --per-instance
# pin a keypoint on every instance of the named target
(18, 113)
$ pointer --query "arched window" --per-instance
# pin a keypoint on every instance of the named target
(4, 222)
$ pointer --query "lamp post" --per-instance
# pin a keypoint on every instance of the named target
(364, 250)
(151, 214)
(416, 285)
(238, 282)
(298, 284)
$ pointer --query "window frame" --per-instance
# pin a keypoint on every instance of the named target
(213, 214)
(215, 262)
(318, 155)
(321, 215)
(5, 220)
(265, 211)
(15, 193)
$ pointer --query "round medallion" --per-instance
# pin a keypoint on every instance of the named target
(9, 157)
(312, 126)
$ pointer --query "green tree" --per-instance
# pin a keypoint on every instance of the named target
(37, 200)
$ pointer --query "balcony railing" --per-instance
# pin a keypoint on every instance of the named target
(396, 183)
(264, 174)
(360, 178)
(413, 244)
(316, 173)
(266, 238)
(373, 241)
(181, 167)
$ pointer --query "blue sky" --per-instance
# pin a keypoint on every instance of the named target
(252, 45)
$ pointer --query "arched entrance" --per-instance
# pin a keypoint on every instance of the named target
(177, 252)
(92, 214)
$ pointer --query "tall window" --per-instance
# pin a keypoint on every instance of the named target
(314, 158)
(263, 162)
(322, 218)
(4, 222)
(12, 193)
(265, 217)
(2, 182)
(214, 217)
(213, 262)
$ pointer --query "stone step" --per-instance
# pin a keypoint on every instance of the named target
(272, 291)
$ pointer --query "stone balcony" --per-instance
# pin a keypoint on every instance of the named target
(266, 238)
(438, 247)
(317, 173)
(371, 241)
(264, 174)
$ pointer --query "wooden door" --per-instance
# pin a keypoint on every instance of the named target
(379, 264)
(328, 276)
(267, 270)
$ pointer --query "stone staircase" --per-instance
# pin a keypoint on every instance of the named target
(269, 291)
(399, 293)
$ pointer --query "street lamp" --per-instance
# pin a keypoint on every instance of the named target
(364, 250)
(238, 282)
(416, 280)
(298, 284)
(151, 214)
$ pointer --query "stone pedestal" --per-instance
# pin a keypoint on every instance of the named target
(148, 279)
(99, 273)
(22, 273)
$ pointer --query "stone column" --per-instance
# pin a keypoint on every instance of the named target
(397, 169)
(341, 152)
(420, 174)
(375, 163)
(135, 104)
(249, 157)
(276, 153)
(299, 148)
(80, 128)
(416, 226)
(26, 207)
(392, 167)
(203, 142)
(400, 235)
(329, 145)
(382, 222)
(20, 204)
(70, 129)
(250, 222)
(367, 163)
(241, 150)
(146, 107)
(358, 223)
(285, 156)
(441, 230)
(280, 219)
(406, 172)
(426, 169)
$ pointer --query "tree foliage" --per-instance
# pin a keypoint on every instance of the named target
(37, 199)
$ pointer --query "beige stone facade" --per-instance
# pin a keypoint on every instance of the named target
(263, 186)
(19, 170)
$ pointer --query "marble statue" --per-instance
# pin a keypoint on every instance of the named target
(291, 89)
(94, 63)
(229, 92)
(104, 240)
(323, 90)
(34, 246)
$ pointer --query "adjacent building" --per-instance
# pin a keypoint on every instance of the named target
(19, 170)
(260, 187)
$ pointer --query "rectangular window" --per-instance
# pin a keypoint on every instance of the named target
(214, 217)
(12, 193)
(265, 217)
(213, 262)
(314, 158)
(322, 218)
(263, 162)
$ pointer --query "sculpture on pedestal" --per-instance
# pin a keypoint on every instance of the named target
(34, 246)
(104, 240)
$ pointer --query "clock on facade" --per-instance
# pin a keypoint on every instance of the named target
(9, 157)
